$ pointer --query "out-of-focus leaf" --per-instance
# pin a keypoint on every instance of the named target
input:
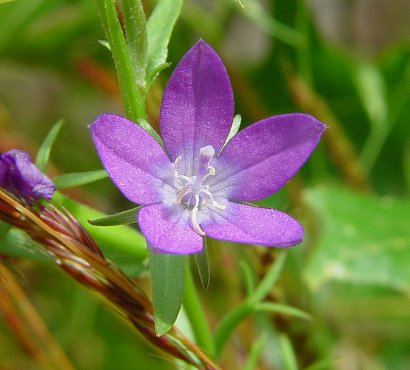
(371, 90)
(362, 239)
(123, 245)
(120, 218)
(202, 263)
(17, 243)
(43, 153)
(136, 35)
(159, 28)
(4, 228)
(167, 277)
(254, 11)
(78, 178)
(289, 361)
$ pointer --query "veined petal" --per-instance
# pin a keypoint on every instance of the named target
(135, 162)
(248, 224)
(197, 105)
(261, 158)
(168, 230)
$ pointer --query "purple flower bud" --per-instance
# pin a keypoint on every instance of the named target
(20, 176)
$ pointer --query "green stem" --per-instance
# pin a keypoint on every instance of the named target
(133, 98)
(196, 315)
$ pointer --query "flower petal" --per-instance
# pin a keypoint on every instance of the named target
(23, 178)
(197, 105)
(261, 158)
(168, 231)
(135, 162)
(248, 224)
(3, 171)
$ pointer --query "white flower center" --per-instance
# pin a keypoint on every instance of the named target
(193, 192)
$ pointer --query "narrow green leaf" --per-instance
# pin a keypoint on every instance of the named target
(136, 35)
(248, 277)
(281, 308)
(271, 26)
(78, 178)
(288, 353)
(255, 352)
(201, 260)
(167, 277)
(228, 324)
(154, 72)
(159, 28)
(5, 1)
(43, 153)
(120, 218)
(270, 279)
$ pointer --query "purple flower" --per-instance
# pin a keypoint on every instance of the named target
(198, 187)
(21, 177)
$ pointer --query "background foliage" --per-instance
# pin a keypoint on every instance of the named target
(347, 63)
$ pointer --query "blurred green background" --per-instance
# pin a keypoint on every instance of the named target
(345, 61)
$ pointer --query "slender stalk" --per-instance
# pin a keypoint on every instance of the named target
(133, 98)
(196, 315)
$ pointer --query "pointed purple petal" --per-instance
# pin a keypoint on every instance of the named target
(133, 159)
(197, 105)
(261, 158)
(248, 224)
(168, 231)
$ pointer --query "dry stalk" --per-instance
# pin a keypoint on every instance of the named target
(73, 250)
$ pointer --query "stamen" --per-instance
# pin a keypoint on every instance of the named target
(194, 219)
(184, 191)
(175, 165)
(191, 191)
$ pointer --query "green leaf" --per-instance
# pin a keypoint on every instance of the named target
(270, 278)
(159, 29)
(78, 178)
(122, 244)
(16, 243)
(136, 35)
(288, 353)
(202, 263)
(254, 11)
(4, 228)
(167, 277)
(255, 353)
(43, 153)
(282, 309)
(363, 239)
(120, 218)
